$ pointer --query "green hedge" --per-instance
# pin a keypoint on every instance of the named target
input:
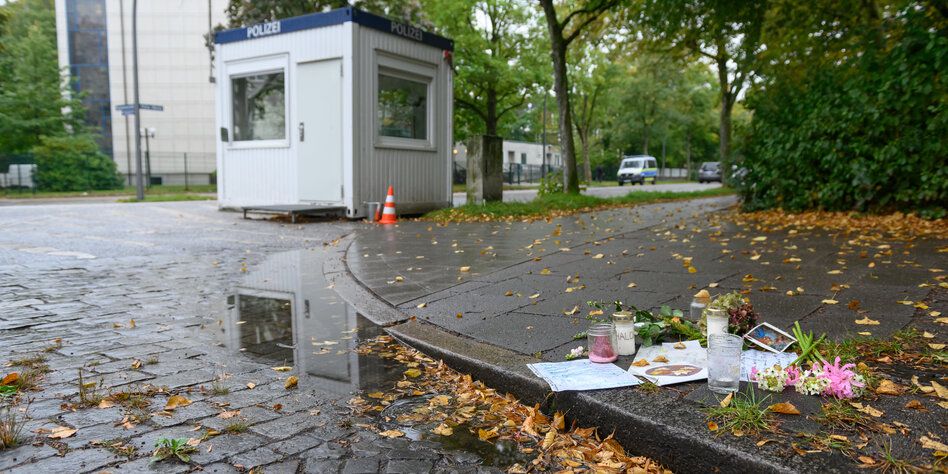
(870, 134)
(73, 163)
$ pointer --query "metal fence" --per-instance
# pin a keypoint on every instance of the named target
(514, 173)
(163, 168)
(16, 172)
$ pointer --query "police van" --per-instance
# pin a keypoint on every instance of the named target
(637, 169)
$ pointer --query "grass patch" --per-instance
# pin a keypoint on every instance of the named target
(151, 360)
(841, 415)
(89, 392)
(560, 204)
(172, 448)
(237, 427)
(171, 198)
(744, 415)
(119, 447)
(11, 425)
(858, 347)
(891, 464)
(218, 388)
(649, 387)
(33, 360)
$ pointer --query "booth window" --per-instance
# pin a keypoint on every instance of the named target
(259, 107)
(403, 108)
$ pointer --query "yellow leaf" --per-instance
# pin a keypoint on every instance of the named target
(937, 347)
(534, 296)
(631, 285)
(465, 269)
(559, 420)
(640, 363)
(392, 434)
(940, 390)
(834, 272)
(867, 409)
(136, 364)
(830, 301)
(106, 403)
(572, 311)
(712, 426)
(61, 432)
(929, 443)
(228, 414)
(545, 271)
(760, 239)
(283, 368)
(291, 382)
(660, 358)
(595, 312)
(692, 270)
(598, 256)
(251, 385)
(864, 333)
(413, 373)
(785, 408)
(439, 401)
(889, 387)
(928, 335)
(176, 401)
(376, 395)
(763, 442)
(713, 285)
(443, 430)
(867, 460)
(422, 305)
(131, 323)
(935, 314)
(549, 439)
(727, 400)
(485, 435)
(867, 322)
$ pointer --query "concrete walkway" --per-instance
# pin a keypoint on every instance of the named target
(490, 298)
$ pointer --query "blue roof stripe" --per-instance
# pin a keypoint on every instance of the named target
(330, 18)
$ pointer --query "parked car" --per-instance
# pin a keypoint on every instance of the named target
(709, 171)
(637, 169)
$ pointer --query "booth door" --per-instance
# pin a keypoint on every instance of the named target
(319, 131)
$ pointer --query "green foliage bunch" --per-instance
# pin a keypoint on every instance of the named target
(552, 183)
(73, 163)
(862, 123)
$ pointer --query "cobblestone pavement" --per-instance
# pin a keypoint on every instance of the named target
(73, 278)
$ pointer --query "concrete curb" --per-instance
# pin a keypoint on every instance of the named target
(677, 446)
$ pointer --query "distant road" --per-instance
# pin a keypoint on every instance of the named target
(523, 195)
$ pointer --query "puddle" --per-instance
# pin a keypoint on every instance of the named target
(284, 313)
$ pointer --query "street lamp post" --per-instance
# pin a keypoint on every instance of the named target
(139, 181)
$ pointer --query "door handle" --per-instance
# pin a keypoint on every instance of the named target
(302, 131)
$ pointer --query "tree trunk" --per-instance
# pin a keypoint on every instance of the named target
(688, 152)
(645, 135)
(724, 133)
(558, 47)
(490, 122)
(585, 144)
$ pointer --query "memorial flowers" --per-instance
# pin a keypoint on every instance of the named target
(823, 378)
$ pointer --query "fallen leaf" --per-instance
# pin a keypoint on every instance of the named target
(291, 382)
(176, 401)
(692, 270)
(283, 368)
(928, 335)
(61, 432)
(549, 439)
(888, 387)
(559, 420)
(136, 364)
(867, 322)
(660, 358)
(727, 400)
(106, 403)
(228, 414)
(465, 269)
(867, 409)
(595, 312)
(485, 435)
(572, 311)
(760, 239)
(853, 305)
(598, 256)
(251, 385)
(392, 434)
(929, 443)
(631, 285)
(867, 460)
(839, 438)
(10, 378)
(864, 333)
(413, 373)
(785, 408)
(422, 305)
(937, 347)
(763, 442)
(545, 271)
(131, 323)
(443, 430)
(940, 390)
(830, 301)
(712, 426)
(680, 345)
(914, 405)
(640, 363)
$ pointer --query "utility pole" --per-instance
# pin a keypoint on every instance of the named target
(186, 171)
(139, 181)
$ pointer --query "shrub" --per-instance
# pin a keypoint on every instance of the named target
(552, 183)
(73, 163)
(868, 132)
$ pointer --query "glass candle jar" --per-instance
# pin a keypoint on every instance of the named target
(716, 319)
(601, 339)
(698, 304)
(724, 362)
(625, 332)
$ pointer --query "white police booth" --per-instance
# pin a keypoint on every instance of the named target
(325, 111)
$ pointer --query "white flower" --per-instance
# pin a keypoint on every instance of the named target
(576, 352)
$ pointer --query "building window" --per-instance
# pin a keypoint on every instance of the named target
(510, 157)
(402, 108)
(89, 65)
(523, 158)
(259, 107)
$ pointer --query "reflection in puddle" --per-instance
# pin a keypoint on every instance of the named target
(285, 314)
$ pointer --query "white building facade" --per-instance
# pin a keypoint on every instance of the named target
(175, 71)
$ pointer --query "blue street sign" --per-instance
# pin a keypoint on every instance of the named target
(129, 109)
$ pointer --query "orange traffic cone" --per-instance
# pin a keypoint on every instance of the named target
(388, 212)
